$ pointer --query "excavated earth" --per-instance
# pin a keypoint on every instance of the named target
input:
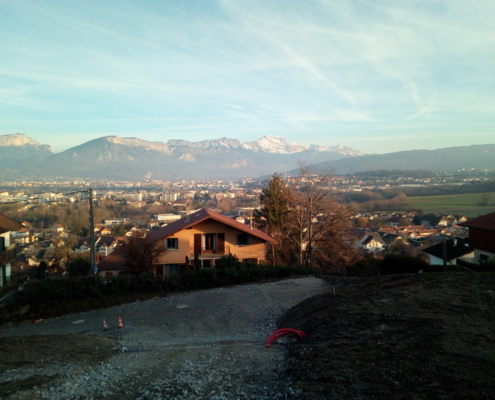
(199, 345)
(402, 336)
(423, 336)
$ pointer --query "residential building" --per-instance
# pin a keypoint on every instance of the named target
(7, 250)
(372, 242)
(205, 236)
(482, 237)
(451, 249)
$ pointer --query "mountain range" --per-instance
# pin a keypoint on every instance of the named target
(133, 159)
(118, 158)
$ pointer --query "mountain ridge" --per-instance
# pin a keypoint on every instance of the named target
(118, 158)
(448, 158)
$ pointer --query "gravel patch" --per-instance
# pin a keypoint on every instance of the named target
(199, 345)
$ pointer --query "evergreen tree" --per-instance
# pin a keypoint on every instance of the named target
(273, 217)
(41, 273)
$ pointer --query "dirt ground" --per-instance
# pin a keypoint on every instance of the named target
(208, 344)
(424, 336)
(35, 352)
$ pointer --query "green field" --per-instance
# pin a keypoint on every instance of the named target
(466, 204)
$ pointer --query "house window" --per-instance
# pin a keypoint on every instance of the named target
(171, 270)
(210, 241)
(172, 243)
(243, 239)
(483, 258)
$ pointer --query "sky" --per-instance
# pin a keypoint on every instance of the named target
(377, 76)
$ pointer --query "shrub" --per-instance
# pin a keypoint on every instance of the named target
(225, 262)
(396, 264)
(79, 266)
(68, 290)
(367, 266)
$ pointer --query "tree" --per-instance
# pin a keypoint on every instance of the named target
(64, 247)
(311, 228)
(404, 221)
(118, 230)
(321, 227)
(377, 223)
(79, 266)
(416, 220)
(361, 222)
(485, 199)
(140, 254)
(273, 217)
(41, 272)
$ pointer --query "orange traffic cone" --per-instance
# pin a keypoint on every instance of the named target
(120, 324)
(105, 327)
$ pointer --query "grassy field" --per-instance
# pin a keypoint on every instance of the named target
(466, 204)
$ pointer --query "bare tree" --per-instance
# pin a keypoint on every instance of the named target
(310, 226)
(64, 247)
(140, 254)
(485, 199)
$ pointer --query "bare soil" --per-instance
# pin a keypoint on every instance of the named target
(401, 336)
(23, 354)
(422, 336)
(208, 344)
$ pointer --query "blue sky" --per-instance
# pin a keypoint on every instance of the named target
(378, 76)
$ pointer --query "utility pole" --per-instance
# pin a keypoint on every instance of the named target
(92, 246)
(444, 253)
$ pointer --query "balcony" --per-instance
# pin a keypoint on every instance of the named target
(206, 251)
(8, 255)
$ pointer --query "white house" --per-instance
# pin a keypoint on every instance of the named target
(7, 250)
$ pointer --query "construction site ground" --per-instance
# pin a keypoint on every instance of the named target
(400, 336)
(422, 336)
(207, 344)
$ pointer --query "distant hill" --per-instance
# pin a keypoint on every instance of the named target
(451, 158)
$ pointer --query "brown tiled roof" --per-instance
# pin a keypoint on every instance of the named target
(410, 227)
(373, 236)
(107, 240)
(200, 216)
(485, 222)
(113, 261)
(8, 225)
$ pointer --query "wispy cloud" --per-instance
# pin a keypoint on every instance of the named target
(311, 71)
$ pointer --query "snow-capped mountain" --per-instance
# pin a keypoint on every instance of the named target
(204, 144)
(114, 157)
(274, 144)
(344, 150)
(267, 144)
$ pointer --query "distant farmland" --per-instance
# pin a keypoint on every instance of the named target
(466, 204)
